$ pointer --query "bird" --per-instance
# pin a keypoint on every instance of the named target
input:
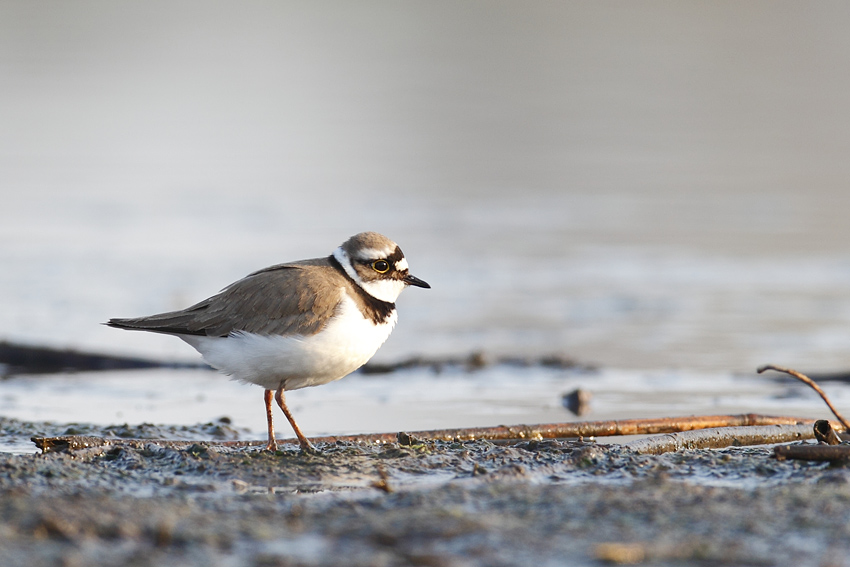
(297, 324)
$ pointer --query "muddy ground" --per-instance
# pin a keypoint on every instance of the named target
(432, 504)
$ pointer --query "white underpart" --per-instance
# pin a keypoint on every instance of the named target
(273, 361)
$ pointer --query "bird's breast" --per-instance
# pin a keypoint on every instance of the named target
(346, 342)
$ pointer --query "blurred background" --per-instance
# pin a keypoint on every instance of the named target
(643, 186)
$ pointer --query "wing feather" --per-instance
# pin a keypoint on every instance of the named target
(287, 299)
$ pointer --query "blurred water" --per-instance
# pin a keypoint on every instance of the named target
(643, 185)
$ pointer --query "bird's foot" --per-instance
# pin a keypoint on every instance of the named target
(307, 448)
(271, 445)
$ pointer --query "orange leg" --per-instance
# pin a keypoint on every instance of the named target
(305, 443)
(267, 397)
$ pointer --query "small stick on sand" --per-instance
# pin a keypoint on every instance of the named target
(825, 434)
(649, 426)
(811, 383)
(720, 437)
(809, 452)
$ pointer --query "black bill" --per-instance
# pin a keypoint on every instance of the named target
(413, 280)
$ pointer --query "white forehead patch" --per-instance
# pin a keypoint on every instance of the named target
(401, 265)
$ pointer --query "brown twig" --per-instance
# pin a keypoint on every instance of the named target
(825, 434)
(809, 452)
(811, 383)
(383, 483)
(650, 426)
(720, 437)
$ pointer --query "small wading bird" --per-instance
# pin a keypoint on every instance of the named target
(295, 325)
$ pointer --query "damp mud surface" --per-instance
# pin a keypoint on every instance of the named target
(475, 503)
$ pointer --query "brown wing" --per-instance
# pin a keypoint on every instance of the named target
(287, 299)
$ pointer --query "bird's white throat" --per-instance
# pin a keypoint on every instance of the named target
(385, 290)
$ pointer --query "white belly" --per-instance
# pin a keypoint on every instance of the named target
(292, 362)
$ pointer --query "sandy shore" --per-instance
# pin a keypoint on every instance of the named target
(475, 503)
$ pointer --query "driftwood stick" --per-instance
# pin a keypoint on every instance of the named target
(719, 437)
(808, 452)
(811, 383)
(824, 433)
(649, 426)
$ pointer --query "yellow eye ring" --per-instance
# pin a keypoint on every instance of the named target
(381, 266)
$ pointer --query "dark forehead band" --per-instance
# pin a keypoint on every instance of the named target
(396, 255)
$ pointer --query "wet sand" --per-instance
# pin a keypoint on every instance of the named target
(440, 503)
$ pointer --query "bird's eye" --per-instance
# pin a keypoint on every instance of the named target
(381, 266)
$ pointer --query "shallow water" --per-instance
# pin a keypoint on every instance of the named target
(658, 191)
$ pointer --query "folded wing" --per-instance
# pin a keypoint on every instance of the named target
(280, 300)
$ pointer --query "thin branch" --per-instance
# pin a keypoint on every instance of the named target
(811, 383)
(808, 452)
(650, 426)
(720, 437)
(824, 433)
